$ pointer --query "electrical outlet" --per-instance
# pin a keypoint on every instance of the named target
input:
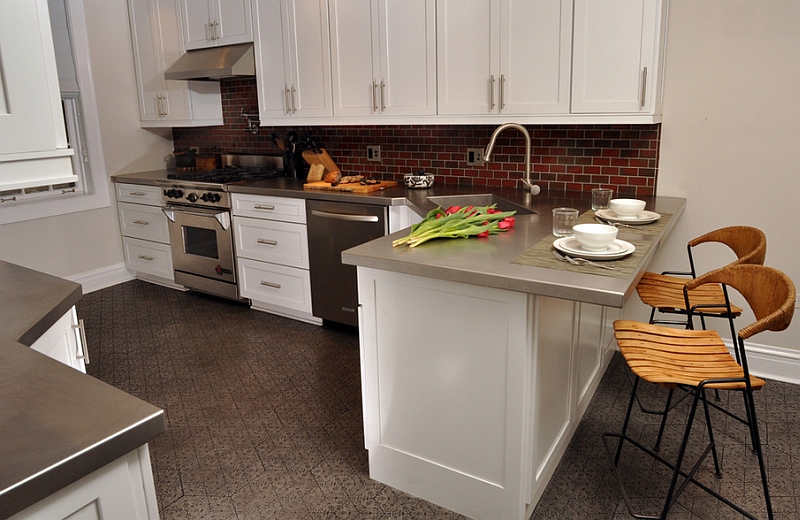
(194, 149)
(475, 156)
(374, 153)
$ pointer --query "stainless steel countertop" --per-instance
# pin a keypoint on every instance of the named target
(478, 262)
(58, 425)
(488, 262)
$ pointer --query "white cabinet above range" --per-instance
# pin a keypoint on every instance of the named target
(157, 44)
(209, 23)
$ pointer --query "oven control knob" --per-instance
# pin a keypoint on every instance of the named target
(173, 194)
(192, 197)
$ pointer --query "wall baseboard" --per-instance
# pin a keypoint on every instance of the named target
(769, 362)
(103, 277)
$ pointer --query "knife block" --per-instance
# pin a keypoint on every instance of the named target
(322, 159)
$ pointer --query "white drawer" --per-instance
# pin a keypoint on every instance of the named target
(145, 222)
(273, 208)
(287, 287)
(151, 258)
(283, 243)
(139, 194)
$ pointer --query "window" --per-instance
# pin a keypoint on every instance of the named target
(90, 191)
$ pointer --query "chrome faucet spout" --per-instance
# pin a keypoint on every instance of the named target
(487, 155)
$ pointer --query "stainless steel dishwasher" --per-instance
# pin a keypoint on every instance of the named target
(332, 228)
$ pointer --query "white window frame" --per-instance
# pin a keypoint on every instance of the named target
(95, 193)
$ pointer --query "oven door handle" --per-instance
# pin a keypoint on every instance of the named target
(223, 217)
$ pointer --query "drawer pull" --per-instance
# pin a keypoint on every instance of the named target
(141, 222)
(261, 206)
(267, 242)
(136, 194)
(270, 284)
(145, 257)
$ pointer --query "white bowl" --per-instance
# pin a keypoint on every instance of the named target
(627, 208)
(412, 180)
(594, 237)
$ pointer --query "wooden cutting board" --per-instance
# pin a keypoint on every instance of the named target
(351, 187)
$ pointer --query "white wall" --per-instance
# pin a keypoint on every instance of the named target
(731, 130)
(77, 243)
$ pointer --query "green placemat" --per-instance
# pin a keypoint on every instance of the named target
(541, 254)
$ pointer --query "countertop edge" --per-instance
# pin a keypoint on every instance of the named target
(32, 389)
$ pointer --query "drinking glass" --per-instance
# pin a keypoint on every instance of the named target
(563, 220)
(601, 197)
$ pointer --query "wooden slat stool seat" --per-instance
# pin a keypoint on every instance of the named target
(699, 360)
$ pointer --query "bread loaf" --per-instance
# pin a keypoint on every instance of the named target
(333, 177)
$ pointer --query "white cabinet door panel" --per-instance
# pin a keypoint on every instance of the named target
(615, 43)
(466, 49)
(64, 342)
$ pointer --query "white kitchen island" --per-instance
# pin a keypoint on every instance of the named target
(476, 371)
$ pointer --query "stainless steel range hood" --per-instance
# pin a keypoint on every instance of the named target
(214, 63)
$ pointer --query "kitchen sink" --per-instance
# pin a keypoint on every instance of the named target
(479, 199)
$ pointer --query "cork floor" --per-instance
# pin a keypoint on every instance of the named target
(264, 421)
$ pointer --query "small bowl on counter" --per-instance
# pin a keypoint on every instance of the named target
(626, 208)
(594, 237)
(418, 180)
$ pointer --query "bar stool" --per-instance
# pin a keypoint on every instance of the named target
(698, 360)
(664, 293)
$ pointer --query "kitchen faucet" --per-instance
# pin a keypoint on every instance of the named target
(526, 181)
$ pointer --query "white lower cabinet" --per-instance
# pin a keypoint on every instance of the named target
(64, 342)
(471, 394)
(271, 245)
(145, 233)
(121, 490)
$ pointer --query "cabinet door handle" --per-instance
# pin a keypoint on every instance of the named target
(643, 101)
(159, 106)
(286, 98)
(146, 258)
(344, 216)
(267, 242)
(261, 206)
(492, 104)
(383, 96)
(208, 31)
(83, 353)
(294, 105)
(141, 222)
(502, 91)
(270, 284)
(374, 97)
(216, 31)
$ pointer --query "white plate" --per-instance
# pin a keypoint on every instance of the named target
(616, 249)
(645, 217)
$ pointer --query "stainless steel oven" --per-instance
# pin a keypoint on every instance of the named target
(198, 207)
(202, 249)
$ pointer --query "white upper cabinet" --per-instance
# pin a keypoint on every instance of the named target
(504, 56)
(157, 44)
(616, 58)
(383, 57)
(208, 23)
(33, 140)
(292, 60)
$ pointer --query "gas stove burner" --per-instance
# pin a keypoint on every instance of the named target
(226, 175)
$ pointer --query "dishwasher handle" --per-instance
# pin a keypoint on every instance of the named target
(344, 216)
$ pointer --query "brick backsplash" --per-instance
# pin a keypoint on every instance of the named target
(570, 158)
